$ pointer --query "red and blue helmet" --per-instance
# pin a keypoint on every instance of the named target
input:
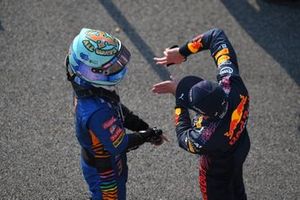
(98, 58)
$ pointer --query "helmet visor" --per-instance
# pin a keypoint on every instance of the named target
(107, 72)
(116, 64)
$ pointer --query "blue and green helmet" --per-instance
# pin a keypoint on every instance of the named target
(98, 58)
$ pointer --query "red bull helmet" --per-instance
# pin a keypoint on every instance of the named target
(98, 58)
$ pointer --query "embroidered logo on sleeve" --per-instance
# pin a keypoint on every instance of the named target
(196, 44)
(226, 70)
(118, 132)
(198, 121)
(222, 52)
(177, 114)
(192, 146)
(109, 123)
(223, 59)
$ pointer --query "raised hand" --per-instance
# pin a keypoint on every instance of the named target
(165, 87)
(171, 56)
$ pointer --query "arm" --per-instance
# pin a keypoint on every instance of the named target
(132, 121)
(189, 138)
(142, 132)
(214, 40)
(220, 48)
(108, 130)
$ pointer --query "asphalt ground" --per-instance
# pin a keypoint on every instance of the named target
(39, 154)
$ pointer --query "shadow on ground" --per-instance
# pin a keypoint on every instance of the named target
(135, 38)
(274, 25)
(1, 27)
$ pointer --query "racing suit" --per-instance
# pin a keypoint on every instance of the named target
(100, 129)
(222, 144)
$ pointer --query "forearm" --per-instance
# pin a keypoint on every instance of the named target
(151, 135)
(132, 121)
(187, 137)
(134, 141)
(182, 120)
(214, 40)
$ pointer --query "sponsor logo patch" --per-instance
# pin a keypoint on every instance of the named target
(196, 44)
(221, 52)
(226, 70)
(198, 122)
(238, 120)
(177, 113)
(116, 134)
(223, 59)
(109, 123)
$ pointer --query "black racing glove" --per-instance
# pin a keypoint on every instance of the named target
(152, 135)
(132, 121)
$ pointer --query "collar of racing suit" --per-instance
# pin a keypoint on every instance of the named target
(82, 92)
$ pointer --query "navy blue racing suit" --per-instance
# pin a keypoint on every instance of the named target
(100, 129)
(222, 144)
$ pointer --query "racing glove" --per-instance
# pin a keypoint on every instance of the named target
(151, 135)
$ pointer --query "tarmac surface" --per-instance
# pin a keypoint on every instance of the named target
(39, 154)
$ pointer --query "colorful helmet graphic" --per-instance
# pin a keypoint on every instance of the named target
(98, 57)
